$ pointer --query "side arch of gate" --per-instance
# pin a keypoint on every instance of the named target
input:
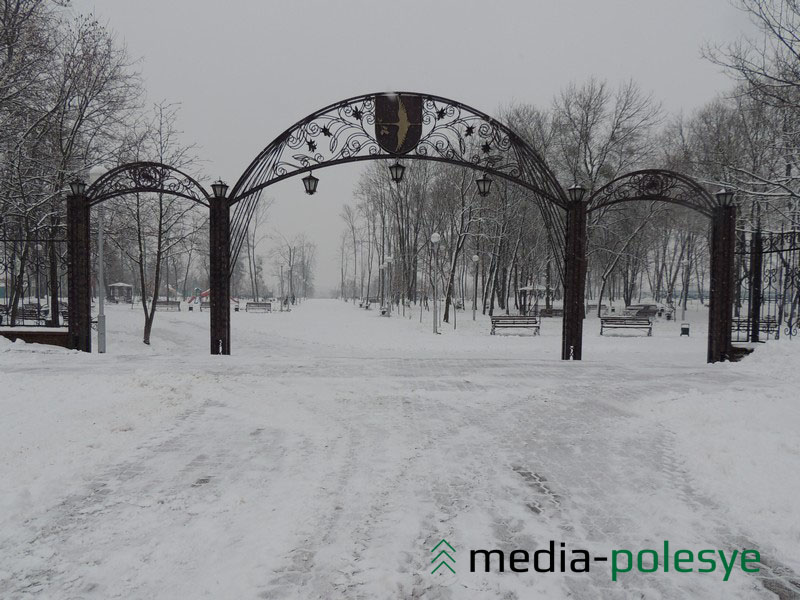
(661, 185)
(131, 178)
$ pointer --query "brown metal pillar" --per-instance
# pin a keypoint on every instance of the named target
(720, 311)
(219, 246)
(79, 274)
(574, 281)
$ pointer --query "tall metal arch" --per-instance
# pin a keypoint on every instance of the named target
(654, 185)
(448, 131)
(140, 177)
(668, 186)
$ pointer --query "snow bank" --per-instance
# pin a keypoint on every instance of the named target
(737, 436)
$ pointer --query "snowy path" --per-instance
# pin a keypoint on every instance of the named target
(325, 464)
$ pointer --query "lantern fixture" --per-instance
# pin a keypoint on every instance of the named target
(396, 171)
(77, 187)
(725, 197)
(576, 192)
(310, 183)
(475, 258)
(435, 238)
(484, 185)
(220, 188)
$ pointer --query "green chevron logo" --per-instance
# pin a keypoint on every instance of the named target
(443, 556)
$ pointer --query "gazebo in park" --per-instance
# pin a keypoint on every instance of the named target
(399, 126)
(120, 292)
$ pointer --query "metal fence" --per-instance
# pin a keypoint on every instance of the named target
(767, 305)
(33, 276)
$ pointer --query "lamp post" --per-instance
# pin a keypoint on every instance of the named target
(475, 259)
(685, 264)
(382, 269)
(389, 261)
(435, 239)
(94, 175)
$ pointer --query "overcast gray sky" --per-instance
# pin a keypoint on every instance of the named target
(244, 70)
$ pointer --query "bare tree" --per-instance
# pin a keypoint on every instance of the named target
(150, 227)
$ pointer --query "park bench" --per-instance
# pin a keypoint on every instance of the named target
(626, 322)
(33, 312)
(647, 311)
(262, 307)
(768, 325)
(515, 322)
(207, 306)
(168, 305)
(551, 312)
(65, 320)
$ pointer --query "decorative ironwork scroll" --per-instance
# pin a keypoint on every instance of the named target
(143, 177)
(654, 184)
(399, 125)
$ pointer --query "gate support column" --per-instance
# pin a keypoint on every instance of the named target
(574, 276)
(79, 310)
(723, 248)
(756, 259)
(219, 248)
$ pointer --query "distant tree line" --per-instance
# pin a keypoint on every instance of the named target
(745, 140)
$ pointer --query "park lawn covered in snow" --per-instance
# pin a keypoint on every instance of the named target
(335, 448)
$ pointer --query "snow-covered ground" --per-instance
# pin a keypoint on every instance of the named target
(335, 448)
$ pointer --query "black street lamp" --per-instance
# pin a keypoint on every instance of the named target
(396, 171)
(725, 197)
(220, 188)
(310, 184)
(484, 185)
(576, 192)
(77, 187)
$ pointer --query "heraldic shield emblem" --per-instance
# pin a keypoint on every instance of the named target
(398, 122)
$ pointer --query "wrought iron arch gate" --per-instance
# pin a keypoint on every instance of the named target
(400, 125)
